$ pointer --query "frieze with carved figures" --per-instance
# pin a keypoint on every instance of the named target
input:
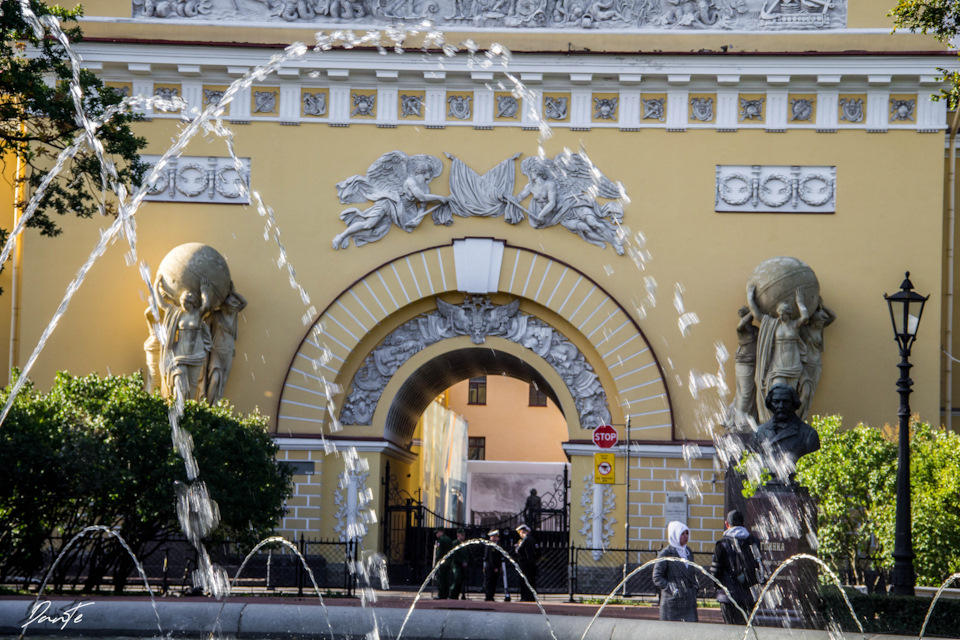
(667, 15)
(560, 191)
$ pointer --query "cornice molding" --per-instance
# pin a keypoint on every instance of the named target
(285, 443)
(636, 450)
(345, 74)
(776, 65)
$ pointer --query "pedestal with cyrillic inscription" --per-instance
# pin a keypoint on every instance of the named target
(784, 520)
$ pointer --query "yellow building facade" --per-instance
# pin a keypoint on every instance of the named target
(729, 137)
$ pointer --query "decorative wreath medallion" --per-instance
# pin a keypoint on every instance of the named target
(161, 184)
(808, 189)
(228, 177)
(729, 189)
(192, 180)
(768, 188)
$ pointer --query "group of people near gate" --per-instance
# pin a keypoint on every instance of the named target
(736, 565)
(451, 575)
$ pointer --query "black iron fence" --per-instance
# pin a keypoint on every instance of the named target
(408, 529)
(581, 571)
(584, 571)
(603, 571)
(95, 564)
(169, 567)
(409, 537)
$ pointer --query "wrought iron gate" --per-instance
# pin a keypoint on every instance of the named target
(408, 536)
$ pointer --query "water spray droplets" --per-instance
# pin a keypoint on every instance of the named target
(198, 513)
(308, 316)
(720, 350)
(691, 485)
(687, 319)
(691, 451)
(650, 285)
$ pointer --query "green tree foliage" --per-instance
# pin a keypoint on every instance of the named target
(853, 478)
(38, 118)
(98, 451)
(939, 18)
(935, 476)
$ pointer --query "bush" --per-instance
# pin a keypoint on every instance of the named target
(902, 615)
(853, 479)
(98, 451)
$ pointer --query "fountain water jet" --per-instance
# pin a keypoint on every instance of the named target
(123, 543)
(449, 554)
(303, 561)
(653, 562)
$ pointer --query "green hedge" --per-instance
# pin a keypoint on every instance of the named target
(901, 615)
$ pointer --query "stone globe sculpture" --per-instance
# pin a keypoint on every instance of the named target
(192, 339)
(783, 297)
(184, 267)
(777, 280)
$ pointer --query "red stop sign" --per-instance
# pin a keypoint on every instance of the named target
(605, 436)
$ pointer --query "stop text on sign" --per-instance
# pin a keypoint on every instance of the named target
(605, 436)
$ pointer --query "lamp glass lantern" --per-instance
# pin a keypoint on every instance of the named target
(906, 308)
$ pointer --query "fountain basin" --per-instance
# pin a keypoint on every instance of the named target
(114, 617)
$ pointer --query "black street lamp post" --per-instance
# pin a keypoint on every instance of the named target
(906, 307)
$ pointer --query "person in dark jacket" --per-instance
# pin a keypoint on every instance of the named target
(526, 551)
(531, 510)
(738, 567)
(461, 562)
(493, 568)
(444, 573)
(677, 581)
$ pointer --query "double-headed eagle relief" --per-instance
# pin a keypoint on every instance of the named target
(563, 190)
(479, 319)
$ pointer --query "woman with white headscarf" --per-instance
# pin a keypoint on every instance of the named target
(677, 581)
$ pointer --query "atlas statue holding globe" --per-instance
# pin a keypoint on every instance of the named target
(193, 331)
(783, 298)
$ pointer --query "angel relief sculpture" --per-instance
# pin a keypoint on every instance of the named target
(399, 186)
(564, 190)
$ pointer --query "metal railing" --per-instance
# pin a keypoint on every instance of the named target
(96, 564)
(562, 569)
(583, 571)
(600, 571)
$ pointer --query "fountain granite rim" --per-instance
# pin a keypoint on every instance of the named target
(180, 619)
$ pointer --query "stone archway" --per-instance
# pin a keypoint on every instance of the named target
(553, 294)
(448, 367)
